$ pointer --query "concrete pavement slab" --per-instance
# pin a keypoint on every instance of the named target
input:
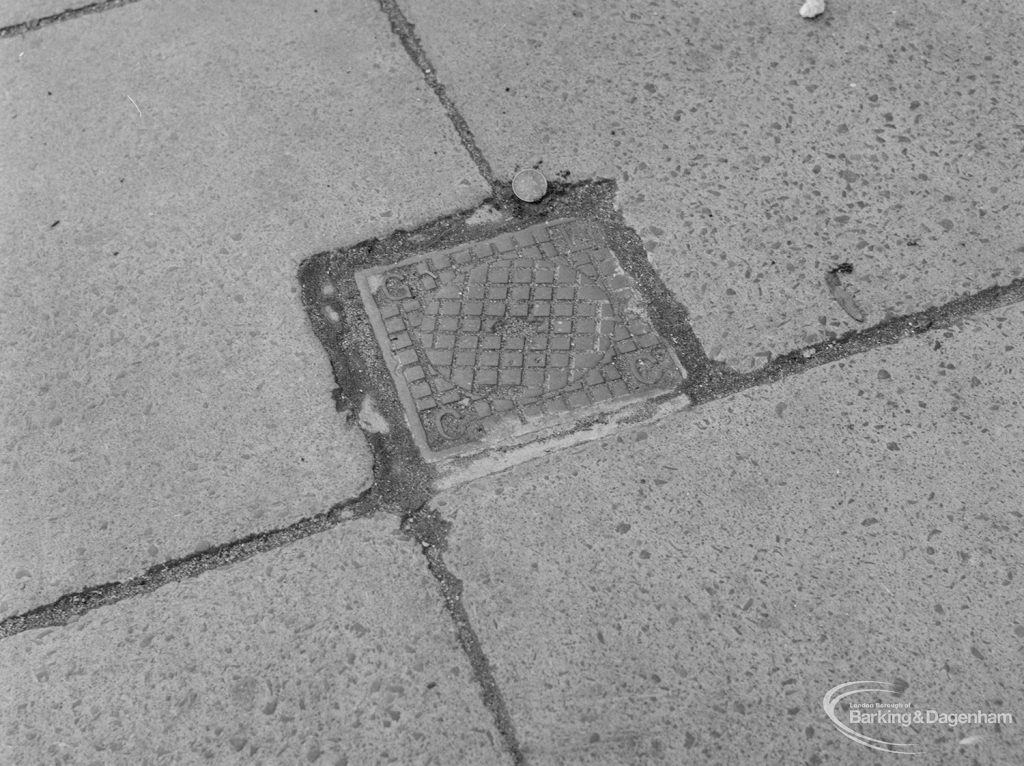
(757, 150)
(690, 592)
(168, 165)
(333, 650)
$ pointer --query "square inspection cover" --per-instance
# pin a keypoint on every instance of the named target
(510, 340)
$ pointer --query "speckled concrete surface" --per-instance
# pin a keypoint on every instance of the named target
(161, 388)
(334, 650)
(684, 592)
(756, 149)
(690, 592)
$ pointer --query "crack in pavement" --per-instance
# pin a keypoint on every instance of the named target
(71, 13)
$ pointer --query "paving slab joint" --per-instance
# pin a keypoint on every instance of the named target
(32, 25)
(722, 381)
(426, 527)
(72, 605)
(405, 31)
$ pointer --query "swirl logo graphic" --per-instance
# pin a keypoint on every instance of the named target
(837, 694)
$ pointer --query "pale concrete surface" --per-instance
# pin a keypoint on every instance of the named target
(19, 11)
(688, 593)
(334, 650)
(756, 149)
(682, 594)
(162, 390)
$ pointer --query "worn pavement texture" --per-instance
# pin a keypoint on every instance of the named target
(163, 391)
(693, 603)
(333, 648)
(209, 555)
(755, 149)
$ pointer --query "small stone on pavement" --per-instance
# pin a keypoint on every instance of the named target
(812, 8)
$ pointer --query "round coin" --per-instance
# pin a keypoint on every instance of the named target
(529, 185)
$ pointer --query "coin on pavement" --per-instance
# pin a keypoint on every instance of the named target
(529, 185)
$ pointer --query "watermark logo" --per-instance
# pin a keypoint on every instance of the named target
(868, 711)
(837, 694)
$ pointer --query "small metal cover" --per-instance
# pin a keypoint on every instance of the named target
(500, 342)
